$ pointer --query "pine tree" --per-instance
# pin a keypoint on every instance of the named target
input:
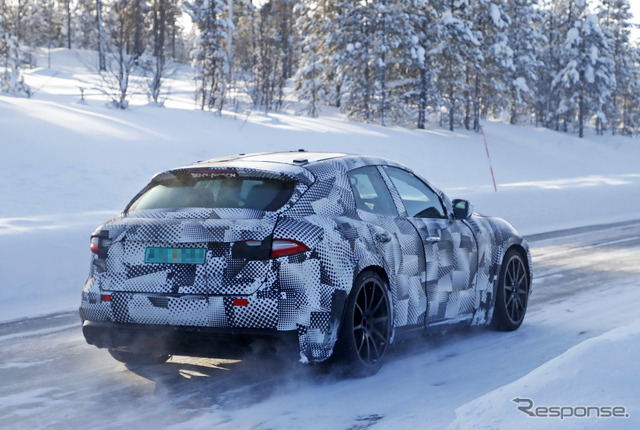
(11, 57)
(557, 19)
(330, 49)
(615, 19)
(101, 37)
(354, 60)
(155, 64)
(273, 53)
(423, 68)
(395, 40)
(630, 105)
(121, 59)
(458, 40)
(210, 59)
(11, 80)
(373, 43)
(526, 40)
(487, 65)
(68, 15)
(309, 78)
(49, 27)
(586, 79)
(83, 25)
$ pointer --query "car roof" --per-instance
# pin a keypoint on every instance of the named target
(295, 164)
(299, 158)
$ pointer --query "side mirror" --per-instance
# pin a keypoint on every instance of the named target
(462, 209)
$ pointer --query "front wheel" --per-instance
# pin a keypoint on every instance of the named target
(512, 293)
(138, 357)
(366, 327)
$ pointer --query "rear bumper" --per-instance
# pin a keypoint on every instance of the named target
(293, 304)
(193, 341)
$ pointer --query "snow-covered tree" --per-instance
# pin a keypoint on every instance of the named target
(395, 45)
(525, 39)
(355, 57)
(50, 24)
(458, 41)
(373, 42)
(423, 67)
(630, 104)
(68, 19)
(210, 57)
(273, 47)
(615, 20)
(488, 65)
(120, 60)
(310, 84)
(11, 58)
(586, 79)
(11, 80)
(83, 25)
(102, 62)
(155, 63)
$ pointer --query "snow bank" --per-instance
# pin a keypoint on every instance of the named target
(573, 391)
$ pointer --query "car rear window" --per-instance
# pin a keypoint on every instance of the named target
(186, 191)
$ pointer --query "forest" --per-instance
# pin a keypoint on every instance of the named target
(567, 65)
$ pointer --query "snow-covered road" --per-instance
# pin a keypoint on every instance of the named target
(586, 283)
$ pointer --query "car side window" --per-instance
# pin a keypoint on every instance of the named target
(419, 200)
(370, 192)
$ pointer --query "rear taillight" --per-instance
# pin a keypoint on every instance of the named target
(267, 248)
(94, 244)
(100, 244)
(284, 247)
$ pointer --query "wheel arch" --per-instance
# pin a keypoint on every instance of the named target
(500, 317)
(373, 268)
(526, 257)
(346, 353)
(379, 270)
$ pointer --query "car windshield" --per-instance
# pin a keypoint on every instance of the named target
(187, 191)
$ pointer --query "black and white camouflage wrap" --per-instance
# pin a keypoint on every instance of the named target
(431, 282)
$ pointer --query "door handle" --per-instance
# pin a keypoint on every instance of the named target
(382, 237)
(432, 239)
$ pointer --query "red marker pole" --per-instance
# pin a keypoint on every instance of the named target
(486, 147)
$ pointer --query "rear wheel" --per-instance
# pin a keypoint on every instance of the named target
(366, 327)
(138, 357)
(512, 294)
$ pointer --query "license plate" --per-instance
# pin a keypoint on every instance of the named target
(175, 255)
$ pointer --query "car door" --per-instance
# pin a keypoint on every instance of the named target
(395, 240)
(450, 249)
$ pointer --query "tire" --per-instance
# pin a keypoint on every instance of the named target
(512, 295)
(366, 327)
(138, 357)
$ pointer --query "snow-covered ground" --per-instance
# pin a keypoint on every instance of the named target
(67, 166)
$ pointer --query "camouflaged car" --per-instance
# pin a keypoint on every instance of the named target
(335, 254)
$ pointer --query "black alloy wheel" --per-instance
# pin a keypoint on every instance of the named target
(512, 294)
(366, 327)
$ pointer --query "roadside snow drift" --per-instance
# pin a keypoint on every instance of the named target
(573, 391)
